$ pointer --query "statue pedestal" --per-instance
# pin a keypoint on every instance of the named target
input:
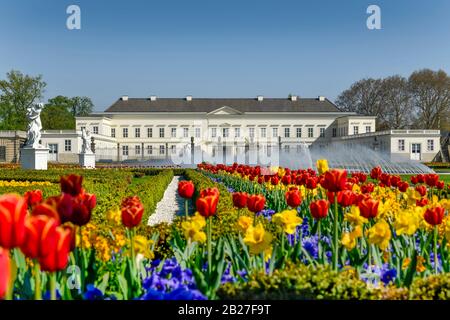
(35, 159)
(87, 160)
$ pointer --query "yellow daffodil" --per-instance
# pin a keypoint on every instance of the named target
(349, 238)
(447, 229)
(445, 203)
(258, 239)
(380, 234)
(288, 219)
(322, 166)
(192, 228)
(244, 223)
(354, 217)
(406, 222)
(143, 246)
(411, 196)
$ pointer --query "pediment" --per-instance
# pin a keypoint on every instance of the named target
(225, 110)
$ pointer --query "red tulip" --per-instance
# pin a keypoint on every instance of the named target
(256, 203)
(346, 198)
(49, 208)
(186, 189)
(59, 248)
(132, 211)
(207, 206)
(274, 180)
(286, 179)
(40, 236)
(319, 209)
(434, 216)
(335, 180)
(422, 202)
(240, 199)
(440, 185)
(385, 179)
(33, 197)
(414, 180)
(13, 210)
(403, 186)
(431, 179)
(83, 205)
(368, 208)
(422, 190)
(375, 173)
(293, 198)
(71, 184)
(5, 272)
(311, 183)
(209, 192)
(260, 179)
(420, 178)
(395, 180)
(367, 188)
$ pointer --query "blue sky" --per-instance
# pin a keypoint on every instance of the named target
(212, 48)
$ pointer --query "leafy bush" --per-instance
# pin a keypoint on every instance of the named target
(434, 287)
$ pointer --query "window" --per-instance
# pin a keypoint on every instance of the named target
(334, 132)
(275, 132)
(95, 130)
(125, 132)
(161, 132)
(287, 132)
(263, 132)
(137, 132)
(149, 132)
(124, 150)
(149, 149)
(355, 129)
(137, 149)
(225, 132)
(251, 132)
(173, 132)
(368, 129)
(67, 145)
(322, 132)
(299, 132)
(185, 132)
(237, 132)
(430, 145)
(197, 132)
(162, 149)
(213, 132)
(310, 132)
(113, 132)
(82, 128)
(401, 145)
(173, 149)
(2, 153)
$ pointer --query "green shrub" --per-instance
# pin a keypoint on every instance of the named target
(434, 287)
(300, 282)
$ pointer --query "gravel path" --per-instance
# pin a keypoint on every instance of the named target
(170, 205)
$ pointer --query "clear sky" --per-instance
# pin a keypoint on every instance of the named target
(219, 48)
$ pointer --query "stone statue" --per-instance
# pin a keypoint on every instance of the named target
(34, 125)
(86, 139)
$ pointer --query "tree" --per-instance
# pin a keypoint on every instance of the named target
(364, 97)
(81, 106)
(57, 117)
(430, 92)
(18, 92)
(397, 101)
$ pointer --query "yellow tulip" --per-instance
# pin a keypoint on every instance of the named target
(355, 217)
(406, 222)
(380, 234)
(244, 223)
(322, 166)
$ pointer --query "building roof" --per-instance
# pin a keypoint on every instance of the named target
(206, 105)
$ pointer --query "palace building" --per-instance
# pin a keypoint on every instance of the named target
(153, 128)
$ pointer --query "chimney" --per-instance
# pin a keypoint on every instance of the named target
(260, 98)
(152, 98)
(188, 98)
(124, 98)
(321, 98)
(293, 98)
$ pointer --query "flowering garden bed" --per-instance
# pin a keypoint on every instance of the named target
(257, 233)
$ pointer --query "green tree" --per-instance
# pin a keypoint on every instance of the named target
(17, 93)
(81, 106)
(57, 117)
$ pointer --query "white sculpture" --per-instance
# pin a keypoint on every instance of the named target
(34, 126)
(86, 137)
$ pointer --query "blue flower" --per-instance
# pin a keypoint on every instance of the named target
(153, 295)
(92, 293)
(183, 294)
(388, 275)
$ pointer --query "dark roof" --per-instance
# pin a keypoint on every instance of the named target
(210, 104)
